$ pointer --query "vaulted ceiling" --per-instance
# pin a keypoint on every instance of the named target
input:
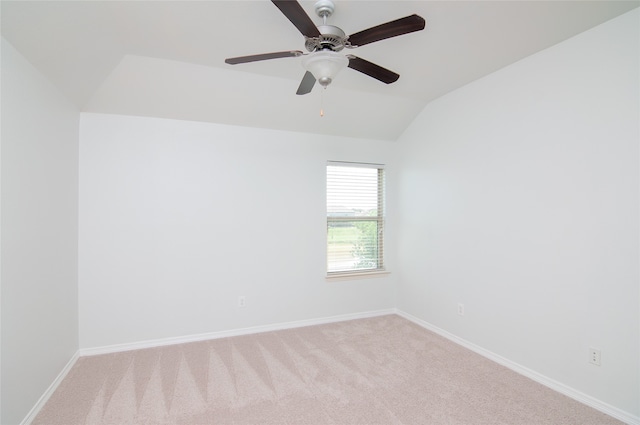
(166, 58)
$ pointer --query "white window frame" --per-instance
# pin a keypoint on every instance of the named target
(379, 269)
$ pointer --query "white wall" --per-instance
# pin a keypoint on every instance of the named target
(519, 198)
(39, 234)
(177, 219)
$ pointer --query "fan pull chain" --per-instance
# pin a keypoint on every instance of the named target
(322, 102)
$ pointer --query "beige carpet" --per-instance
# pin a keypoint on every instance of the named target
(383, 370)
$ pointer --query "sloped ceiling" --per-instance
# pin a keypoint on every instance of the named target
(166, 59)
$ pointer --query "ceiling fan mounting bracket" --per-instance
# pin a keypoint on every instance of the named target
(324, 8)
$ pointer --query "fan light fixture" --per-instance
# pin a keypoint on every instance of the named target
(325, 65)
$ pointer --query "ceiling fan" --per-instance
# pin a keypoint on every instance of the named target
(324, 42)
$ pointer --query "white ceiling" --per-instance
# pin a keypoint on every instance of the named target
(166, 59)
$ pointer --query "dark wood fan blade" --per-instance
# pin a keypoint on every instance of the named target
(307, 83)
(298, 17)
(372, 70)
(390, 29)
(263, 56)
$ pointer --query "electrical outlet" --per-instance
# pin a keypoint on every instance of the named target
(242, 301)
(595, 356)
(461, 309)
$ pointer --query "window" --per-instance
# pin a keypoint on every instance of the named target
(355, 218)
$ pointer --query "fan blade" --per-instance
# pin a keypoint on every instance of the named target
(390, 29)
(298, 17)
(372, 70)
(307, 83)
(263, 56)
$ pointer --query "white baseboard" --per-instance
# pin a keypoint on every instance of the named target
(234, 332)
(47, 394)
(544, 380)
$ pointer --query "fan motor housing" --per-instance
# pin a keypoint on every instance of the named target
(332, 38)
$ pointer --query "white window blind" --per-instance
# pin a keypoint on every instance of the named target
(355, 217)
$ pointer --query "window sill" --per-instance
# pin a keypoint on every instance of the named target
(356, 275)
